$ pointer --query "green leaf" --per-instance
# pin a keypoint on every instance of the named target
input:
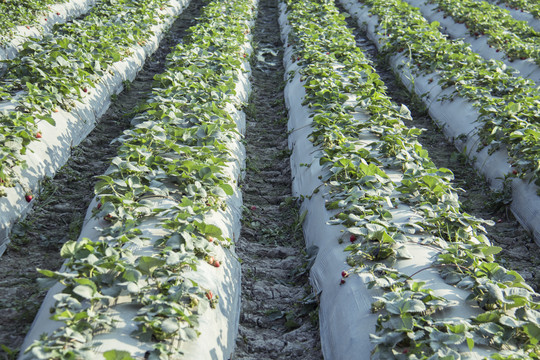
(227, 188)
(147, 264)
(117, 355)
(491, 250)
(84, 291)
(470, 343)
(169, 326)
(533, 331)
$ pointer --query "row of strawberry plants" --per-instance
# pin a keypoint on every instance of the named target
(13, 13)
(498, 112)
(61, 68)
(508, 106)
(360, 156)
(515, 38)
(529, 6)
(13, 35)
(177, 169)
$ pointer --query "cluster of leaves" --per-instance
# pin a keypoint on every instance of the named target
(515, 38)
(57, 70)
(349, 105)
(14, 12)
(508, 104)
(180, 150)
(529, 6)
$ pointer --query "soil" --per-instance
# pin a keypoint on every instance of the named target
(279, 313)
(61, 205)
(519, 248)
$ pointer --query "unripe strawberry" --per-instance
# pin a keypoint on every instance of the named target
(38, 135)
(210, 239)
(209, 295)
(211, 260)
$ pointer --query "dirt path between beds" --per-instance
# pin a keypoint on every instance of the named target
(60, 208)
(279, 315)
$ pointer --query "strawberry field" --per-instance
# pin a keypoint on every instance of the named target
(200, 179)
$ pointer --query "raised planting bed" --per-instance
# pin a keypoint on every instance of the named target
(492, 32)
(67, 85)
(154, 274)
(34, 18)
(489, 114)
(377, 207)
(528, 10)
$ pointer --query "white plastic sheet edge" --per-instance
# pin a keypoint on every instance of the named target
(345, 316)
(46, 156)
(458, 121)
(58, 14)
(218, 327)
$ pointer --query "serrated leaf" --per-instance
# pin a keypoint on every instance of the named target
(117, 355)
(169, 326)
(84, 291)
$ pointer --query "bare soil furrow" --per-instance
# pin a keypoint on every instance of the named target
(279, 315)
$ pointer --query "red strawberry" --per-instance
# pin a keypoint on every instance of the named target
(216, 263)
(28, 197)
(58, 13)
(352, 238)
(344, 274)
(253, 208)
(514, 172)
(342, 282)
(99, 206)
(45, 19)
(107, 217)
(38, 135)
(84, 89)
(28, 27)
(209, 295)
